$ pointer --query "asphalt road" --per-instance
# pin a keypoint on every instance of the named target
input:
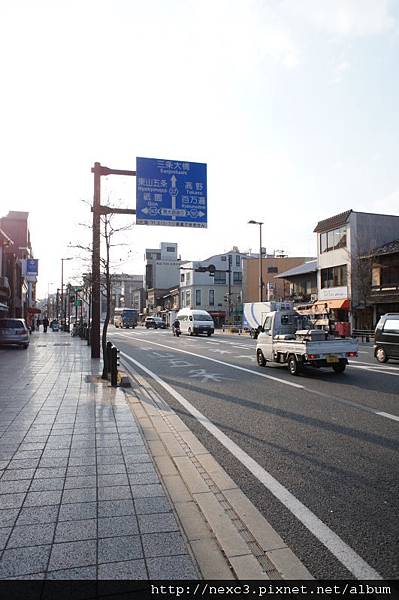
(322, 447)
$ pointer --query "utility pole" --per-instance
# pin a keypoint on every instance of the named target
(229, 272)
(97, 211)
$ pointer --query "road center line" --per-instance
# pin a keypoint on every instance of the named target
(221, 362)
(296, 385)
(344, 553)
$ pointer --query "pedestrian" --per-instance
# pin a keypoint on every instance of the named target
(38, 323)
(45, 324)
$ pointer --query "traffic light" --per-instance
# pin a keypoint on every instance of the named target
(226, 297)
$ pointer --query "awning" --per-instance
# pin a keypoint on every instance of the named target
(34, 311)
(321, 307)
(3, 307)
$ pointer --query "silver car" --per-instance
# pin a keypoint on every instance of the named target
(14, 332)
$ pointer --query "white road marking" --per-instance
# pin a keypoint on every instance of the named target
(374, 369)
(289, 383)
(344, 553)
(375, 365)
(221, 362)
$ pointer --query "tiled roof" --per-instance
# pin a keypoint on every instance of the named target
(389, 248)
(307, 267)
(333, 222)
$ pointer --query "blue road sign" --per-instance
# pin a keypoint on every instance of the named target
(32, 267)
(170, 192)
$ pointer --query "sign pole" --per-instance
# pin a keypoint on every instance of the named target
(95, 269)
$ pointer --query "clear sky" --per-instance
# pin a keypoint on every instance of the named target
(293, 105)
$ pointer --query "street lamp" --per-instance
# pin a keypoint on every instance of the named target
(260, 223)
(62, 291)
(48, 297)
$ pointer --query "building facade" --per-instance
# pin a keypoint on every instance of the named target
(383, 295)
(162, 272)
(221, 293)
(272, 265)
(302, 282)
(342, 240)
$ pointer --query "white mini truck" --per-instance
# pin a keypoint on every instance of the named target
(287, 338)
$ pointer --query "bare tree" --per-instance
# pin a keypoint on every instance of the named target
(108, 234)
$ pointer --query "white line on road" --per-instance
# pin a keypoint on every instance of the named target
(289, 383)
(374, 369)
(344, 553)
(221, 362)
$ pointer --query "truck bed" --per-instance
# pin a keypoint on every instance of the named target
(334, 346)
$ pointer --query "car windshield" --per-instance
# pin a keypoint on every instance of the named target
(202, 318)
(11, 324)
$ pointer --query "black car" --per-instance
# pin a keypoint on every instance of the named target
(386, 341)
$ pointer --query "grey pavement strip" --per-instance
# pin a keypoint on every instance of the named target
(79, 495)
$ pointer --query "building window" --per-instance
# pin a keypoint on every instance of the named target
(181, 277)
(188, 297)
(334, 277)
(197, 297)
(170, 249)
(220, 277)
(223, 258)
(188, 278)
(238, 260)
(272, 269)
(211, 297)
(237, 277)
(332, 240)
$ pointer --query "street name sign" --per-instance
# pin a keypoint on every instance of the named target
(170, 192)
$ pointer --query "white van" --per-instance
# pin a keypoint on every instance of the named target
(193, 321)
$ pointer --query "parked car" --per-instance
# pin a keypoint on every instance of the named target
(155, 323)
(386, 340)
(14, 332)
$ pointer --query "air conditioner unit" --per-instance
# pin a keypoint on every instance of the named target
(313, 297)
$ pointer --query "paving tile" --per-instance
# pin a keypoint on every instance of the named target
(80, 482)
(78, 511)
(81, 471)
(46, 485)
(23, 561)
(128, 569)
(163, 544)
(119, 548)
(111, 480)
(4, 533)
(118, 492)
(88, 494)
(70, 531)
(38, 514)
(56, 461)
(114, 526)
(140, 478)
(11, 500)
(76, 574)
(145, 467)
(146, 506)
(81, 461)
(110, 469)
(56, 452)
(31, 535)
(11, 487)
(109, 460)
(42, 498)
(50, 473)
(172, 567)
(139, 458)
(115, 508)
(20, 455)
(25, 446)
(157, 523)
(15, 474)
(73, 554)
(8, 517)
(150, 490)
(27, 463)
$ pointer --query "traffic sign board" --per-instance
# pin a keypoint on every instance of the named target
(170, 192)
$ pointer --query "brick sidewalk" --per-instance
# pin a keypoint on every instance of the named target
(79, 495)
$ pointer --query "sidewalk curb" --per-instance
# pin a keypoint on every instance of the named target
(228, 536)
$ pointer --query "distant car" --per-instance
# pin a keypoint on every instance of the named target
(386, 340)
(155, 323)
(14, 332)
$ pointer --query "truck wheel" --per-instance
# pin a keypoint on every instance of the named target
(209, 334)
(293, 365)
(260, 358)
(381, 355)
(339, 367)
(189, 331)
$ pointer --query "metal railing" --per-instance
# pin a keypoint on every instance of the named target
(364, 334)
(112, 363)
